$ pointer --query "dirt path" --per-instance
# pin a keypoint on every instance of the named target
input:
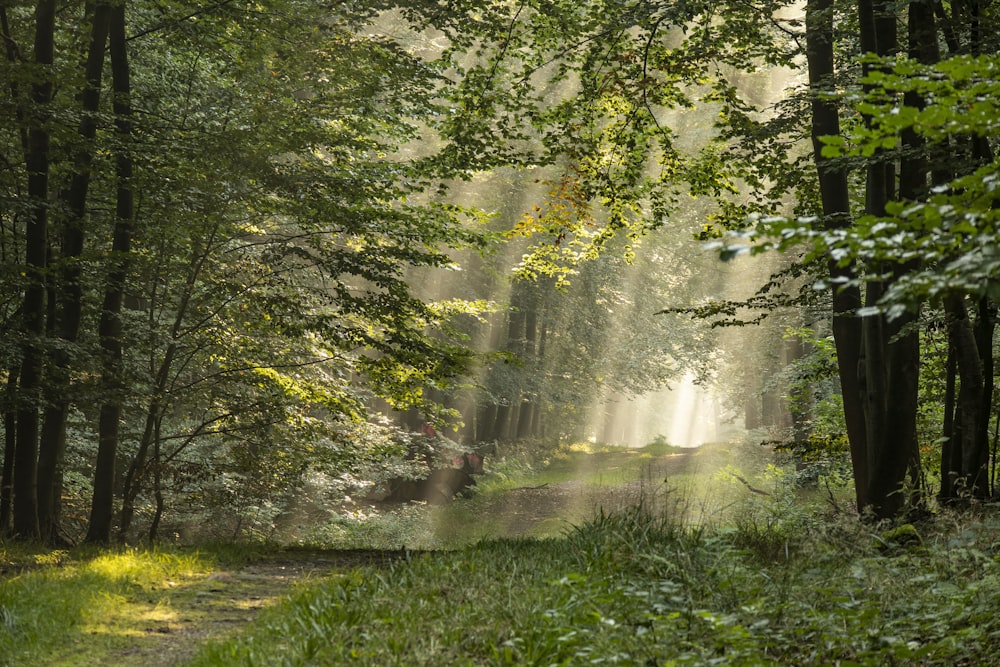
(225, 601)
(534, 510)
(177, 622)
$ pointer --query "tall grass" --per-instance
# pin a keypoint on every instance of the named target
(639, 586)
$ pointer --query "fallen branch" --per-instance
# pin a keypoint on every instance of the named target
(748, 485)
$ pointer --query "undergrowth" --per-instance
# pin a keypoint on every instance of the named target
(639, 587)
(781, 576)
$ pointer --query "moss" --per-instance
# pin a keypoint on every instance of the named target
(901, 537)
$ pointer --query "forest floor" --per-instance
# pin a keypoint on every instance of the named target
(164, 621)
(218, 604)
(728, 555)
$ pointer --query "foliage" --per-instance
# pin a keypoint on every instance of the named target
(953, 231)
(599, 91)
(818, 441)
(307, 174)
(280, 208)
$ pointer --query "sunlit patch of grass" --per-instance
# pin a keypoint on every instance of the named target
(52, 558)
(660, 447)
(117, 595)
(161, 612)
(145, 568)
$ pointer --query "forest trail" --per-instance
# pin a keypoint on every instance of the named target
(550, 508)
(222, 603)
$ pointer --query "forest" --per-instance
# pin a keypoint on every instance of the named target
(353, 277)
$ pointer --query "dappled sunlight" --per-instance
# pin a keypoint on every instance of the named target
(584, 480)
(117, 616)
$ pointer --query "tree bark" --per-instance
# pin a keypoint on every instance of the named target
(68, 304)
(984, 329)
(949, 445)
(10, 444)
(36, 260)
(110, 326)
(836, 211)
(967, 471)
(878, 36)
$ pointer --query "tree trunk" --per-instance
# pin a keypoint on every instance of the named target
(134, 476)
(486, 415)
(525, 417)
(967, 464)
(157, 402)
(878, 36)
(896, 457)
(154, 525)
(985, 326)
(530, 357)
(896, 465)
(836, 210)
(949, 446)
(798, 411)
(110, 326)
(10, 443)
(36, 260)
(69, 303)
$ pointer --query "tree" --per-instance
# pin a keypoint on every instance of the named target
(616, 70)
(907, 124)
(110, 324)
(260, 150)
(37, 165)
(592, 97)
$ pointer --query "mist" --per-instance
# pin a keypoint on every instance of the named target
(607, 350)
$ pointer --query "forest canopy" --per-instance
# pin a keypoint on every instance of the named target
(225, 227)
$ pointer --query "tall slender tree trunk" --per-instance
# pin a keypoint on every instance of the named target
(68, 305)
(110, 326)
(10, 390)
(537, 418)
(950, 448)
(984, 329)
(36, 259)
(529, 356)
(9, 448)
(968, 460)
(836, 210)
(878, 35)
(896, 463)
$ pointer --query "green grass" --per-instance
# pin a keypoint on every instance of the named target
(79, 606)
(739, 578)
(583, 476)
(590, 463)
(638, 588)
